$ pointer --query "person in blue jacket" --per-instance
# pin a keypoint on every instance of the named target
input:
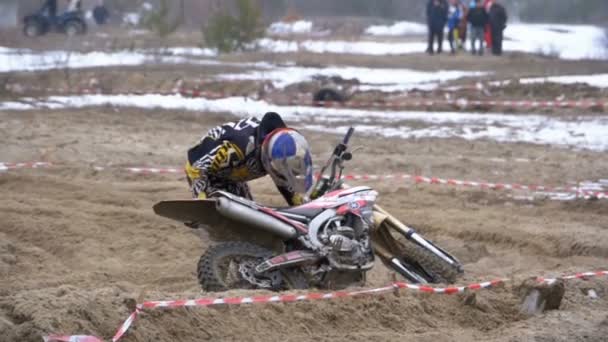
(454, 17)
(437, 16)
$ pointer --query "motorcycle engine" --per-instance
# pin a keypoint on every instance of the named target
(348, 243)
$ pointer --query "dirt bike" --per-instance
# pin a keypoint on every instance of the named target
(330, 242)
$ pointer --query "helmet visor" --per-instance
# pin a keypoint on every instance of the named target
(296, 171)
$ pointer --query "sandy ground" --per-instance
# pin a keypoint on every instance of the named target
(77, 244)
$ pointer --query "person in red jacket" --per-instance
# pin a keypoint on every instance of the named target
(488, 32)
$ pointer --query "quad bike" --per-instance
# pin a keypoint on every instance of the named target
(330, 242)
(40, 23)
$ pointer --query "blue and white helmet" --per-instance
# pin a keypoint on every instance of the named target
(286, 157)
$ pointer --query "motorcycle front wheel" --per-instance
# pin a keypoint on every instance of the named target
(230, 265)
(431, 266)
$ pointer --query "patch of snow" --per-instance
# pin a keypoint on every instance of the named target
(579, 133)
(563, 41)
(290, 28)
(11, 105)
(27, 60)
(590, 186)
(134, 33)
(191, 51)
(499, 83)
(598, 80)
(401, 28)
(12, 51)
(131, 19)
(341, 47)
(370, 78)
(399, 87)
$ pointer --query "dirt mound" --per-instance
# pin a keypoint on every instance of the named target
(550, 91)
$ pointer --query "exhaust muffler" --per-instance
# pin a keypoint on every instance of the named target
(243, 214)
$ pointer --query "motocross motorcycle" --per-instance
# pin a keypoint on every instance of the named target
(330, 242)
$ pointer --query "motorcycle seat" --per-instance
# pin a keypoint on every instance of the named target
(300, 211)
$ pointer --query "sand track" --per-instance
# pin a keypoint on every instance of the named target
(75, 243)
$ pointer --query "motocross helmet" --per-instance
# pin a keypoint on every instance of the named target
(286, 156)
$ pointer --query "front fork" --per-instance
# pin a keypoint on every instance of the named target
(389, 249)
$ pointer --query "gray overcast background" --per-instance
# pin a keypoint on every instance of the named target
(196, 12)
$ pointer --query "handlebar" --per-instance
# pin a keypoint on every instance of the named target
(341, 147)
(349, 134)
(332, 181)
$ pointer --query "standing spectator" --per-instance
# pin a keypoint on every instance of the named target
(462, 26)
(101, 13)
(488, 34)
(454, 15)
(479, 19)
(498, 23)
(436, 16)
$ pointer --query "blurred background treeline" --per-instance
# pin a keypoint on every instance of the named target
(198, 12)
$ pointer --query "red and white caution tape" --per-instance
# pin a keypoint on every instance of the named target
(582, 275)
(18, 88)
(311, 296)
(74, 338)
(93, 90)
(28, 165)
(194, 92)
(420, 103)
(286, 298)
(461, 103)
(368, 177)
(206, 94)
(479, 184)
(423, 179)
(122, 330)
(155, 170)
(342, 294)
(417, 103)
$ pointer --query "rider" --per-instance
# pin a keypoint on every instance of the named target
(234, 153)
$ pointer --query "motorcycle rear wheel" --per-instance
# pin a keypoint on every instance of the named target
(220, 268)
